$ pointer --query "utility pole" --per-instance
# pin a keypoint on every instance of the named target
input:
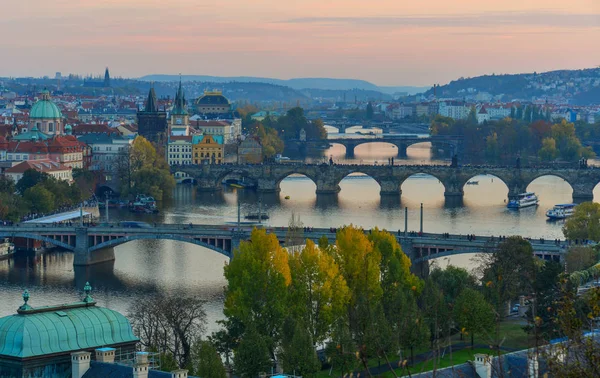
(106, 207)
(421, 218)
(405, 221)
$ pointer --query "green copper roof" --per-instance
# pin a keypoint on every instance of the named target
(62, 329)
(45, 108)
(33, 134)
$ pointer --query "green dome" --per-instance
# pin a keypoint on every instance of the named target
(45, 108)
(62, 329)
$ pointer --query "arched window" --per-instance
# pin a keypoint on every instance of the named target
(50, 126)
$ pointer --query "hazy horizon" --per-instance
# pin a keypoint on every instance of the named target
(385, 42)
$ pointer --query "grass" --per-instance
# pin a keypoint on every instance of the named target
(511, 330)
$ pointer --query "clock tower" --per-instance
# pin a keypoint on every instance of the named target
(180, 119)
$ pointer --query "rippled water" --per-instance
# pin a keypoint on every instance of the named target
(144, 268)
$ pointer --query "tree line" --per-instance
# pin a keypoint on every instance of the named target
(530, 137)
(357, 299)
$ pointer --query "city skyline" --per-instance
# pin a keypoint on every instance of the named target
(387, 43)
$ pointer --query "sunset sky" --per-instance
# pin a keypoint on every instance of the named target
(388, 42)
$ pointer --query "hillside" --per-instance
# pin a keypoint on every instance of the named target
(581, 87)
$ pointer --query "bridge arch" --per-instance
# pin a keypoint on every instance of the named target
(488, 177)
(300, 172)
(384, 187)
(428, 189)
(34, 236)
(125, 239)
(564, 181)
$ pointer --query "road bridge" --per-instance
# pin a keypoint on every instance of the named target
(327, 178)
(94, 244)
(402, 142)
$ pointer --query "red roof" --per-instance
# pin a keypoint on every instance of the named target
(38, 165)
(98, 128)
(211, 123)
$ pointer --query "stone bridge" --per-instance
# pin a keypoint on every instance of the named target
(95, 244)
(390, 178)
(402, 142)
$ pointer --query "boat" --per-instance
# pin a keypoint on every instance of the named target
(238, 183)
(287, 197)
(561, 211)
(256, 216)
(7, 249)
(523, 200)
(473, 182)
(143, 204)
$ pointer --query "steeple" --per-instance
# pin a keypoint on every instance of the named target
(179, 106)
(151, 102)
(106, 78)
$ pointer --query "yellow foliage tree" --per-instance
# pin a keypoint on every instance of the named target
(318, 293)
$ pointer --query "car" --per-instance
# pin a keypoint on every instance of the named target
(515, 308)
(132, 224)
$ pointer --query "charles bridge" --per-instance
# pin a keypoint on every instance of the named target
(327, 178)
(94, 244)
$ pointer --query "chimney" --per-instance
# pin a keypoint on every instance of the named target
(483, 365)
(140, 367)
(80, 363)
(105, 355)
(181, 373)
(532, 366)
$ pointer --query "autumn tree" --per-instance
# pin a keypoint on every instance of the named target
(585, 223)
(580, 258)
(318, 293)
(258, 278)
(548, 151)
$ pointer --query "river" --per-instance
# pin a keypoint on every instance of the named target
(144, 268)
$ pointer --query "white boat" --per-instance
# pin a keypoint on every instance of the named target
(7, 249)
(561, 211)
(523, 200)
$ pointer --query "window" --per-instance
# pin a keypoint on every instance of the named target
(50, 126)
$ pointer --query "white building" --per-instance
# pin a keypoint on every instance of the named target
(179, 150)
(482, 115)
(107, 151)
(55, 169)
(454, 109)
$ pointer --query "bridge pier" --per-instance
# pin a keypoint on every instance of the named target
(583, 196)
(402, 150)
(350, 150)
(208, 186)
(327, 187)
(83, 256)
(267, 186)
(390, 188)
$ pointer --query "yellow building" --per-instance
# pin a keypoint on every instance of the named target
(208, 148)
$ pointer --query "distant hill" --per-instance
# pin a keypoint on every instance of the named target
(298, 84)
(580, 87)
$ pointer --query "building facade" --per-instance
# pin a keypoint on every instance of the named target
(249, 151)
(179, 150)
(208, 149)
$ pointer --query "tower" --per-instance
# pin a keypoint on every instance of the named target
(106, 78)
(152, 123)
(179, 122)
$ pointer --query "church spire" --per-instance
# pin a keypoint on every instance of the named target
(151, 102)
(106, 78)
(179, 106)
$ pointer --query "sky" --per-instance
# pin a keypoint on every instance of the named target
(387, 42)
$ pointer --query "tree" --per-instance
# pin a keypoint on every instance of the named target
(473, 314)
(30, 178)
(452, 281)
(206, 362)
(509, 272)
(258, 278)
(7, 185)
(318, 294)
(298, 354)
(585, 223)
(252, 356)
(294, 234)
(227, 339)
(581, 258)
(548, 152)
(40, 198)
(341, 351)
(169, 324)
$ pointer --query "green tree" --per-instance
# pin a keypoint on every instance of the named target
(341, 351)
(509, 272)
(206, 362)
(473, 314)
(298, 354)
(30, 178)
(581, 258)
(40, 198)
(252, 355)
(585, 223)
(226, 340)
(7, 185)
(452, 281)
(258, 279)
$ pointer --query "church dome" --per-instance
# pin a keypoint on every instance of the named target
(212, 98)
(45, 108)
(62, 329)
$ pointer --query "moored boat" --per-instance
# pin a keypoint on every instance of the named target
(523, 200)
(561, 211)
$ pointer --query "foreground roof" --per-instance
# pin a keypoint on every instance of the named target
(62, 329)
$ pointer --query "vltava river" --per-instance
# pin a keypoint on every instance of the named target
(144, 268)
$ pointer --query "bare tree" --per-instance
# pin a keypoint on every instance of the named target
(169, 324)
(294, 238)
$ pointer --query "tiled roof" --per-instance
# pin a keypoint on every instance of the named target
(40, 166)
(86, 128)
